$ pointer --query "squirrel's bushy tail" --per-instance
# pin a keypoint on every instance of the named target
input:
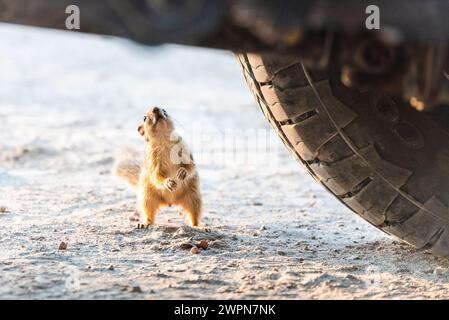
(127, 169)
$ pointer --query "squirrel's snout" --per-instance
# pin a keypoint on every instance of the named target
(159, 113)
(154, 115)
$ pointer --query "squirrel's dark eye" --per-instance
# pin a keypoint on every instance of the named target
(144, 118)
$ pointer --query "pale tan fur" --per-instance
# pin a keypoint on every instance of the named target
(163, 180)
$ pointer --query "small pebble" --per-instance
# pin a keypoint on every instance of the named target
(353, 278)
(2, 209)
(194, 250)
(136, 289)
(185, 246)
(111, 267)
(258, 204)
(203, 244)
(63, 246)
(438, 271)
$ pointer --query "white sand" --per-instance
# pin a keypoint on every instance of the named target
(70, 103)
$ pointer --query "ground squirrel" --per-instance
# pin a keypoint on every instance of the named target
(168, 174)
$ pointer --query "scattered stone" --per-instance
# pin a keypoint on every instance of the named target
(258, 204)
(3, 210)
(194, 250)
(263, 228)
(281, 253)
(111, 267)
(155, 247)
(16, 154)
(220, 244)
(40, 238)
(352, 268)
(136, 289)
(63, 246)
(181, 232)
(185, 246)
(203, 244)
(438, 271)
(352, 278)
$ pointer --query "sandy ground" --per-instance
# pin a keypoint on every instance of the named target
(69, 104)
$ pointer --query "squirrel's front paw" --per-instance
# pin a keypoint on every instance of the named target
(170, 184)
(181, 174)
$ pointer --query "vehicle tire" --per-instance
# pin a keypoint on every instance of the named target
(381, 158)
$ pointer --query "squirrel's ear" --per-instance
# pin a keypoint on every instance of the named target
(141, 130)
